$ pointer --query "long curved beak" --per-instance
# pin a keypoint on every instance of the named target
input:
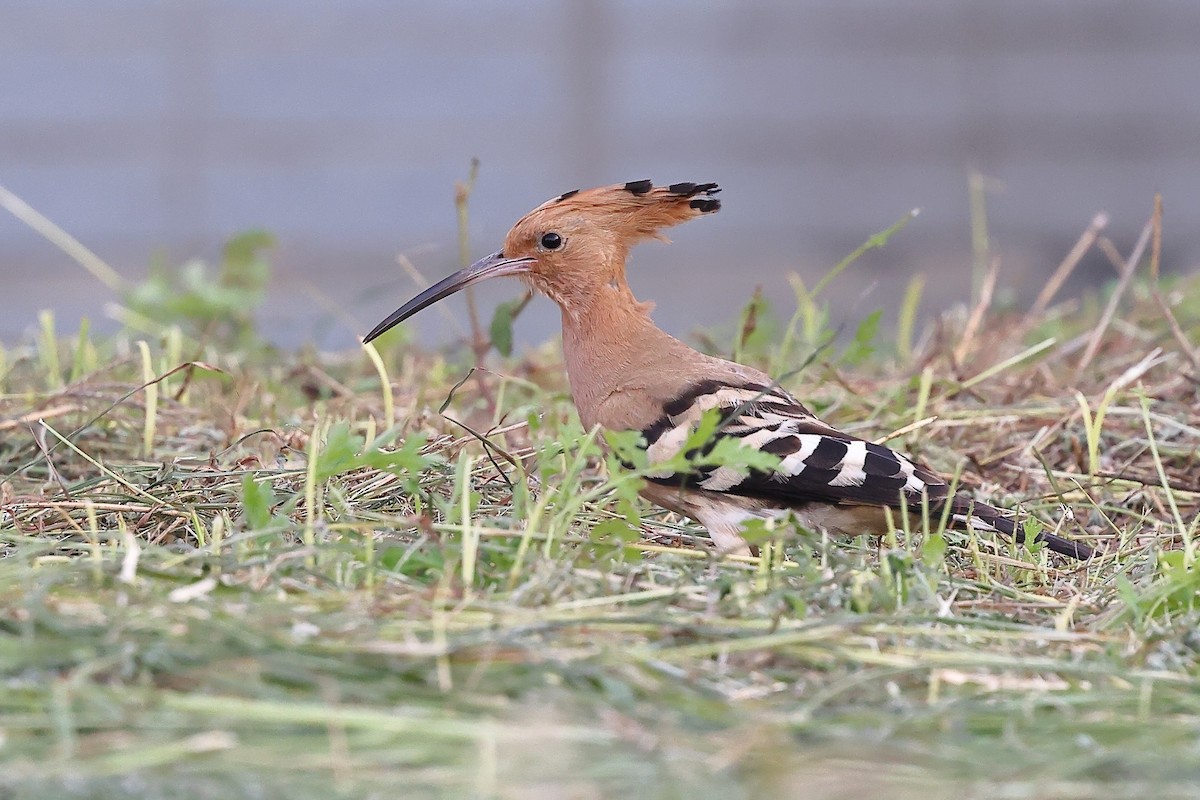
(492, 266)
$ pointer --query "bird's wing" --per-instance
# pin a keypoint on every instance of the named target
(817, 463)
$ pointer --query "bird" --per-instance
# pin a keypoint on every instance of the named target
(626, 374)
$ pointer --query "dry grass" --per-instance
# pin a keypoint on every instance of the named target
(233, 586)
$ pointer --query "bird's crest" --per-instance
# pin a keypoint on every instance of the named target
(635, 210)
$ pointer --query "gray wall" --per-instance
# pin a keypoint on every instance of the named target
(146, 127)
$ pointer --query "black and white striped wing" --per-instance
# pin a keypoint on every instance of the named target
(818, 463)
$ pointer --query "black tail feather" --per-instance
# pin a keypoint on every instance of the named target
(983, 517)
(1065, 546)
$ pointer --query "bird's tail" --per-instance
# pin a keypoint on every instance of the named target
(968, 513)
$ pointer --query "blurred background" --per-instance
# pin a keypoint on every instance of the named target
(158, 130)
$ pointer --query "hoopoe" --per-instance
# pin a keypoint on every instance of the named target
(626, 374)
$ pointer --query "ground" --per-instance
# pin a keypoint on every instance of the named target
(234, 572)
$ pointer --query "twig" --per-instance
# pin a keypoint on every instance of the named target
(986, 289)
(1106, 246)
(123, 508)
(462, 198)
(34, 416)
(480, 341)
(1064, 270)
(39, 438)
(1115, 299)
(62, 240)
(906, 429)
(1192, 353)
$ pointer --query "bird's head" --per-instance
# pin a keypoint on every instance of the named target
(572, 246)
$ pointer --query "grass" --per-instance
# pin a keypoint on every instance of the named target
(233, 572)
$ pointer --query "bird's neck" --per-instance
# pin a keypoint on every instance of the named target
(616, 358)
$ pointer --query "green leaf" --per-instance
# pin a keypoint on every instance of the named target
(501, 329)
(1031, 529)
(242, 263)
(730, 452)
(406, 460)
(344, 451)
(703, 433)
(934, 551)
(1180, 584)
(627, 448)
(339, 453)
(608, 538)
(704, 447)
(219, 306)
(1129, 594)
(757, 531)
(863, 344)
(257, 499)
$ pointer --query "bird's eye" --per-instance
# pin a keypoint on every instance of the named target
(551, 241)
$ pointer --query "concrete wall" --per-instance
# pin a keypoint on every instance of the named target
(146, 127)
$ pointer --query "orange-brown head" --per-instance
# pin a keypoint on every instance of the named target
(570, 247)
